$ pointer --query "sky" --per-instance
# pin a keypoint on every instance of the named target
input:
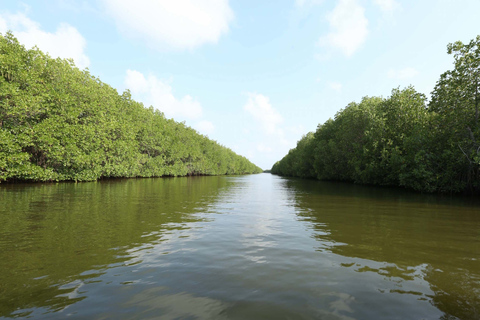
(254, 75)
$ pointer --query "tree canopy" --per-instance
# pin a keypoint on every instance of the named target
(403, 140)
(58, 122)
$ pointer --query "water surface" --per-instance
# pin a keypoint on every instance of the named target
(245, 247)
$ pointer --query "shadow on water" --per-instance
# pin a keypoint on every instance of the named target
(402, 236)
(55, 238)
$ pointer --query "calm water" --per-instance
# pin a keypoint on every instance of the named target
(248, 247)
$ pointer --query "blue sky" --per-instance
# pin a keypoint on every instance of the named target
(254, 75)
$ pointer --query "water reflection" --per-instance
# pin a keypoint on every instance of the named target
(248, 247)
(423, 245)
(57, 238)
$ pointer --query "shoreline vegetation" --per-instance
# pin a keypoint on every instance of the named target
(403, 140)
(60, 123)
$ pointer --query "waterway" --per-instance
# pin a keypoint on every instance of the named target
(236, 247)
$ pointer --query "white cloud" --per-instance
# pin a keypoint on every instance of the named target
(349, 27)
(387, 6)
(205, 127)
(66, 42)
(167, 24)
(264, 140)
(135, 81)
(302, 3)
(260, 108)
(401, 74)
(155, 92)
(263, 148)
(335, 86)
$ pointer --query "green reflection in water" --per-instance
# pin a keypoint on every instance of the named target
(55, 236)
(249, 247)
(412, 236)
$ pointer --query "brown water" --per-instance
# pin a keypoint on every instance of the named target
(247, 247)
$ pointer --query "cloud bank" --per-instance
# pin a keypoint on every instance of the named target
(348, 27)
(262, 111)
(157, 93)
(205, 127)
(387, 6)
(167, 24)
(66, 42)
(303, 3)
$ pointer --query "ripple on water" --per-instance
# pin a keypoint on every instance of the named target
(249, 247)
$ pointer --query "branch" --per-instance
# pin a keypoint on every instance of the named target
(476, 101)
(471, 134)
(465, 154)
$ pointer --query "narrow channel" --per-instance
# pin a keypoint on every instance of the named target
(236, 247)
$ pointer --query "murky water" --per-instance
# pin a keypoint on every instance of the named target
(247, 247)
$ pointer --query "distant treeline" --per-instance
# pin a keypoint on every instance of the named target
(402, 140)
(61, 123)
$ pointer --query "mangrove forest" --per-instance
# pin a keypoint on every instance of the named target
(58, 122)
(404, 140)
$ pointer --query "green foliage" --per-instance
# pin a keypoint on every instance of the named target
(298, 162)
(456, 101)
(400, 140)
(60, 123)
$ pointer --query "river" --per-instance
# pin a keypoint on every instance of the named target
(236, 247)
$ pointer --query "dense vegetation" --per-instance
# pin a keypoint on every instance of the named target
(61, 123)
(403, 140)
